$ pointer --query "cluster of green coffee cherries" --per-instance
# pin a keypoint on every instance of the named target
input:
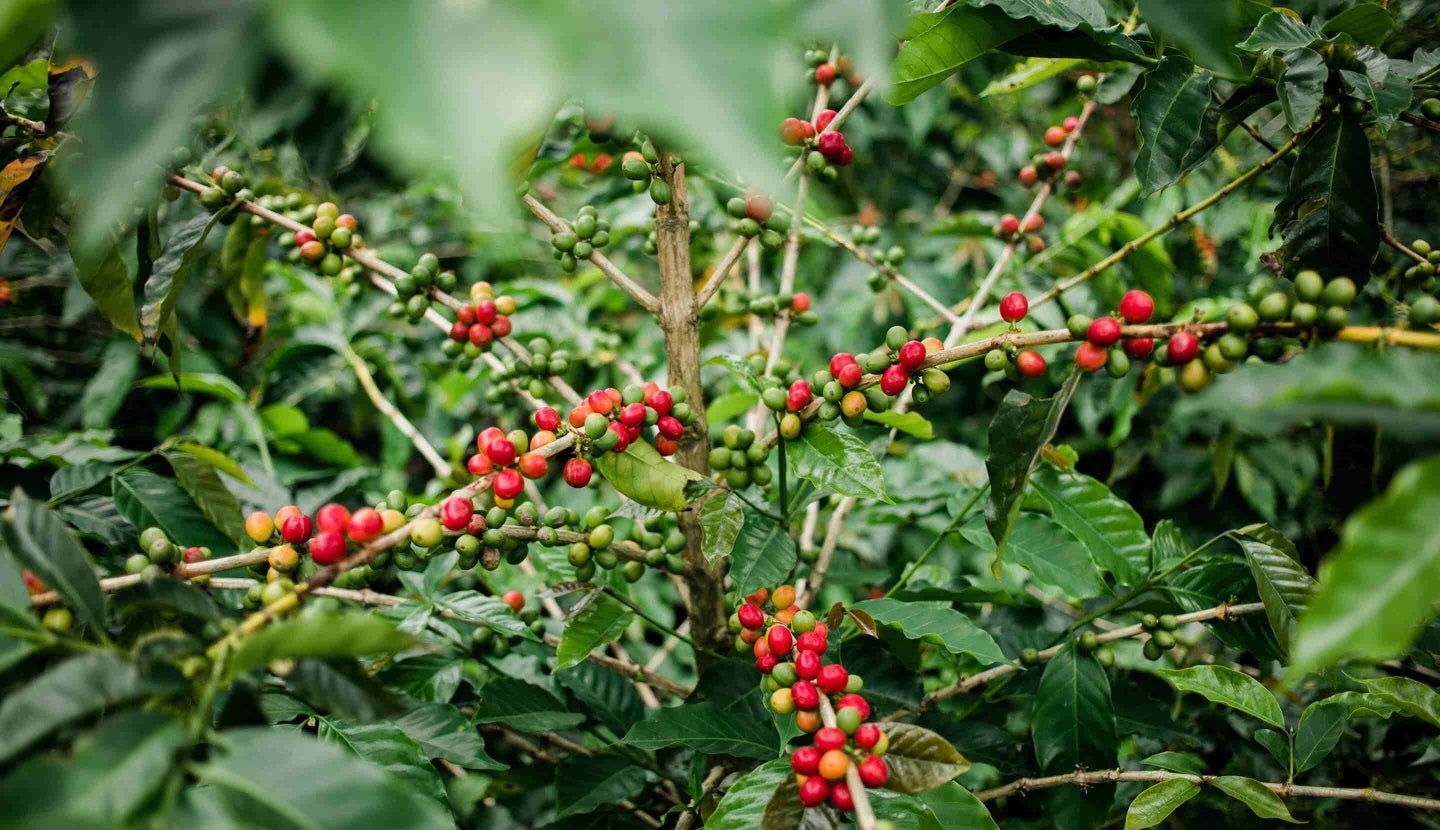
(158, 554)
(1424, 307)
(413, 290)
(486, 641)
(226, 186)
(588, 234)
(740, 460)
(641, 167)
(734, 301)
(545, 361)
(755, 215)
(659, 537)
(886, 258)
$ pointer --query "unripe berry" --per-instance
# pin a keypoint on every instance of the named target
(1013, 307)
(366, 525)
(1090, 357)
(1136, 306)
(1105, 331)
(893, 380)
(534, 465)
(327, 548)
(1182, 348)
(1030, 363)
(259, 526)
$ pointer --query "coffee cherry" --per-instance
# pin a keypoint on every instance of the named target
(751, 616)
(1340, 292)
(332, 517)
(1029, 657)
(1055, 136)
(1241, 318)
(824, 74)
(831, 144)
(1273, 307)
(815, 790)
(1030, 364)
(1193, 376)
(867, 735)
(829, 738)
(296, 529)
(822, 121)
(1086, 83)
(847, 720)
(327, 548)
(1014, 306)
(1071, 123)
(1105, 331)
(996, 360)
(1028, 176)
(1182, 348)
(514, 599)
(1090, 357)
(426, 533)
(1055, 161)
(911, 355)
(1033, 223)
(1309, 285)
(455, 513)
(765, 662)
(1008, 227)
(873, 771)
(832, 678)
(508, 484)
(805, 760)
(807, 664)
(793, 133)
(1136, 306)
(853, 701)
(780, 640)
(1139, 348)
(840, 796)
(366, 525)
(893, 380)
(259, 526)
(805, 695)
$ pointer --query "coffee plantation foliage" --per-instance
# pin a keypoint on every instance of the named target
(749, 414)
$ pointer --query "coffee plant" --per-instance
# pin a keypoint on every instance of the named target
(991, 413)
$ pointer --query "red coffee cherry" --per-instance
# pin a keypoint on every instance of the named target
(867, 735)
(455, 513)
(832, 678)
(1055, 161)
(534, 465)
(465, 314)
(824, 73)
(670, 427)
(514, 599)
(844, 157)
(459, 331)
(296, 529)
(805, 696)
(1070, 123)
(800, 303)
(1009, 226)
(576, 472)
(501, 452)
(1013, 307)
(840, 361)
(633, 415)
(805, 760)
(807, 664)
(841, 798)
(850, 375)
(623, 433)
(856, 702)
(912, 354)
(1104, 331)
(487, 435)
(815, 790)
(661, 402)
(479, 465)
(830, 144)
(367, 524)
(751, 616)
(829, 738)
(327, 548)
(501, 326)
(1030, 363)
(304, 235)
(1029, 175)
(1138, 348)
(1055, 136)
(1033, 223)
(893, 381)
(1073, 179)
(508, 484)
(766, 663)
(822, 121)
(873, 771)
(1136, 306)
(1090, 357)
(812, 641)
(333, 516)
(481, 334)
(547, 418)
(1182, 348)
(780, 639)
(791, 132)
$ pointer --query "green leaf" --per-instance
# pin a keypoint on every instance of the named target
(216, 386)
(163, 288)
(644, 475)
(1281, 30)
(911, 423)
(706, 728)
(602, 621)
(1167, 544)
(611, 698)
(69, 482)
(1051, 553)
(256, 775)
(1330, 214)
(481, 609)
(1277, 745)
(919, 759)
(836, 461)
(321, 635)
(1107, 526)
(1230, 688)
(934, 622)
(209, 494)
(523, 706)
(40, 541)
(729, 406)
(938, 44)
(1020, 430)
(1376, 590)
(106, 391)
(1367, 23)
(443, 732)
(956, 807)
(1155, 804)
(1321, 726)
(1261, 801)
(743, 805)
(1285, 586)
(1073, 724)
(721, 517)
(106, 781)
(583, 786)
(1410, 697)
(77, 688)
(429, 677)
(386, 746)
(1302, 86)
(102, 272)
(149, 500)
(1028, 74)
(1185, 763)
(1207, 38)
(764, 553)
(1169, 112)
(214, 458)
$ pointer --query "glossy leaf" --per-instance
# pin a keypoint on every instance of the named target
(1207, 38)
(1107, 526)
(210, 494)
(172, 269)
(1367, 23)
(1051, 553)
(743, 804)
(911, 423)
(721, 518)
(1376, 588)
(763, 555)
(1330, 214)
(1028, 74)
(149, 500)
(1279, 30)
(319, 635)
(523, 706)
(836, 461)
(1228, 688)
(386, 746)
(706, 728)
(920, 760)
(1285, 586)
(582, 786)
(104, 275)
(1021, 429)
(1276, 744)
(481, 609)
(938, 44)
(1410, 697)
(1185, 763)
(1169, 112)
(643, 475)
(934, 622)
(602, 621)
(1321, 726)
(611, 698)
(1156, 804)
(38, 538)
(1302, 86)
(1255, 795)
(443, 732)
(955, 806)
(106, 391)
(1073, 724)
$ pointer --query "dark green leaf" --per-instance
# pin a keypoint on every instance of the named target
(1108, 527)
(954, 806)
(1074, 724)
(704, 727)
(1281, 30)
(643, 475)
(163, 289)
(1376, 590)
(148, 500)
(1169, 112)
(1207, 38)
(602, 621)
(582, 786)
(104, 275)
(429, 677)
(111, 383)
(523, 706)
(934, 622)
(1321, 726)
(40, 541)
(1156, 804)
(744, 803)
(1402, 694)
(938, 44)
(443, 732)
(1229, 688)
(611, 698)
(1330, 214)
(68, 482)
(384, 745)
(1181, 762)
(1261, 801)
(209, 494)
(1021, 429)
(836, 461)
(919, 759)
(480, 609)
(721, 518)
(764, 553)
(1276, 744)
(1285, 586)
(319, 635)
(1367, 23)
(1051, 553)
(1302, 86)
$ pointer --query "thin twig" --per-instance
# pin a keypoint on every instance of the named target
(636, 291)
(717, 275)
(441, 467)
(1400, 246)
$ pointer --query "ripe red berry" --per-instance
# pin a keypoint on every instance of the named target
(622, 432)
(780, 640)
(912, 354)
(1028, 175)
(805, 696)
(327, 548)
(893, 381)
(1033, 223)
(1013, 307)
(824, 73)
(303, 236)
(485, 312)
(481, 334)
(830, 144)
(1055, 161)
(807, 664)
(1055, 136)
(1136, 306)
(751, 616)
(766, 663)
(828, 738)
(670, 427)
(800, 303)
(850, 375)
(1030, 363)
(815, 790)
(514, 599)
(840, 361)
(465, 314)
(193, 555)
(873, 771)
(459, 331)
(841, 798)
(844, 157)
(501, 452)
(333, 517)
(1139, 348)
(633, 415)
(812, 641)
(1182, 348)
(661, 402)
(823, 120)
(455, 513)
(867, 735)
(805, 760)
(799, 396)
(367, 524)
(1104, 331)
(501, 326)
(856, 702)
(296, 529)
(534, 465)
(791, 132)
(832, 678)
(487, 435)
(508, 484)
(599, 401)
(577, 472)
(547, 418)
(1009, 225)
(1090, 357)
(1070, 123)
(479, 465)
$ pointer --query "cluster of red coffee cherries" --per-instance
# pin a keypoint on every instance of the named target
(610, 420)
(789, 645)
(325, 537)
(831, 144)
(1048, 164)
(512, 457)
(485, 319)
(1136, 307)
